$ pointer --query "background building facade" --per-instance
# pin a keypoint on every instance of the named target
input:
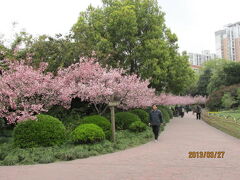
(228, 42)
(197, 59)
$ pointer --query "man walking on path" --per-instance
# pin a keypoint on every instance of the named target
(181, 111)
(155, 120)
(198, 112)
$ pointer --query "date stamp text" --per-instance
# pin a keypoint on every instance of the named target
(206, 154)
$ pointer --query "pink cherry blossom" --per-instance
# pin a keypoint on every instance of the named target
(25, 92)
(89, 81)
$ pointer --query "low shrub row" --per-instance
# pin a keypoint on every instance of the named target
(143, 115)
(49, 131)
(10, 155)
(46, 139)
(125, 119)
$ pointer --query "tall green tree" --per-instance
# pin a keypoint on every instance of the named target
(228, 74)
(180, 78)
(58, 51)
(209, 69)
(132, 34)
(227, 100)
(203, 82)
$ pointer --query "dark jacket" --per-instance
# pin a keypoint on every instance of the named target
(198, 109)
(155, 117)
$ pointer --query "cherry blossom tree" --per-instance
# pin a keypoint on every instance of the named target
(25, 92)
(200, 99)
(169, 99)
(89, 81)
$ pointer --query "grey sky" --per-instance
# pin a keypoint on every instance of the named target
(193, 21)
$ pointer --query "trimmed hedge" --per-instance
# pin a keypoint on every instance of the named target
(143, 115)
(169, 111)
(87, 134)
(124, 139)
(166, 117)
(138, 126)
(100, 121)
(125, 119)
(45, 131)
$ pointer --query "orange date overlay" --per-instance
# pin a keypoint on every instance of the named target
(206, 154)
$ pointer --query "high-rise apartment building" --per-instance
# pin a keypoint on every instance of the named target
(197, 59)
(227, 42)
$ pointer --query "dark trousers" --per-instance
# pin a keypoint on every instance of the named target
(198, 115)
(182, 114)
(155, 129)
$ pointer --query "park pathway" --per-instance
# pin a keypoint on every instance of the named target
(165, 160)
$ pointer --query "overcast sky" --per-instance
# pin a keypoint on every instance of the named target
(194, 21)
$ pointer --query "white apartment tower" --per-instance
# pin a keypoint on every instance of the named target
(197, 59)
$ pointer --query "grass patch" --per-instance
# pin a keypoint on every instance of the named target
(233, 115)
(218, 122)
(10, 155)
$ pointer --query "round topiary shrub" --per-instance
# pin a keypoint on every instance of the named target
(125, 119)
(98, 120)
(138, 126)
(87, 133)
(44, 131)
(143, 115)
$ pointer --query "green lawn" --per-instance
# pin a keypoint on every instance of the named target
(230, 114)
(218, 121)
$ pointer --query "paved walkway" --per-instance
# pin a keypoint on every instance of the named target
(165, 160)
